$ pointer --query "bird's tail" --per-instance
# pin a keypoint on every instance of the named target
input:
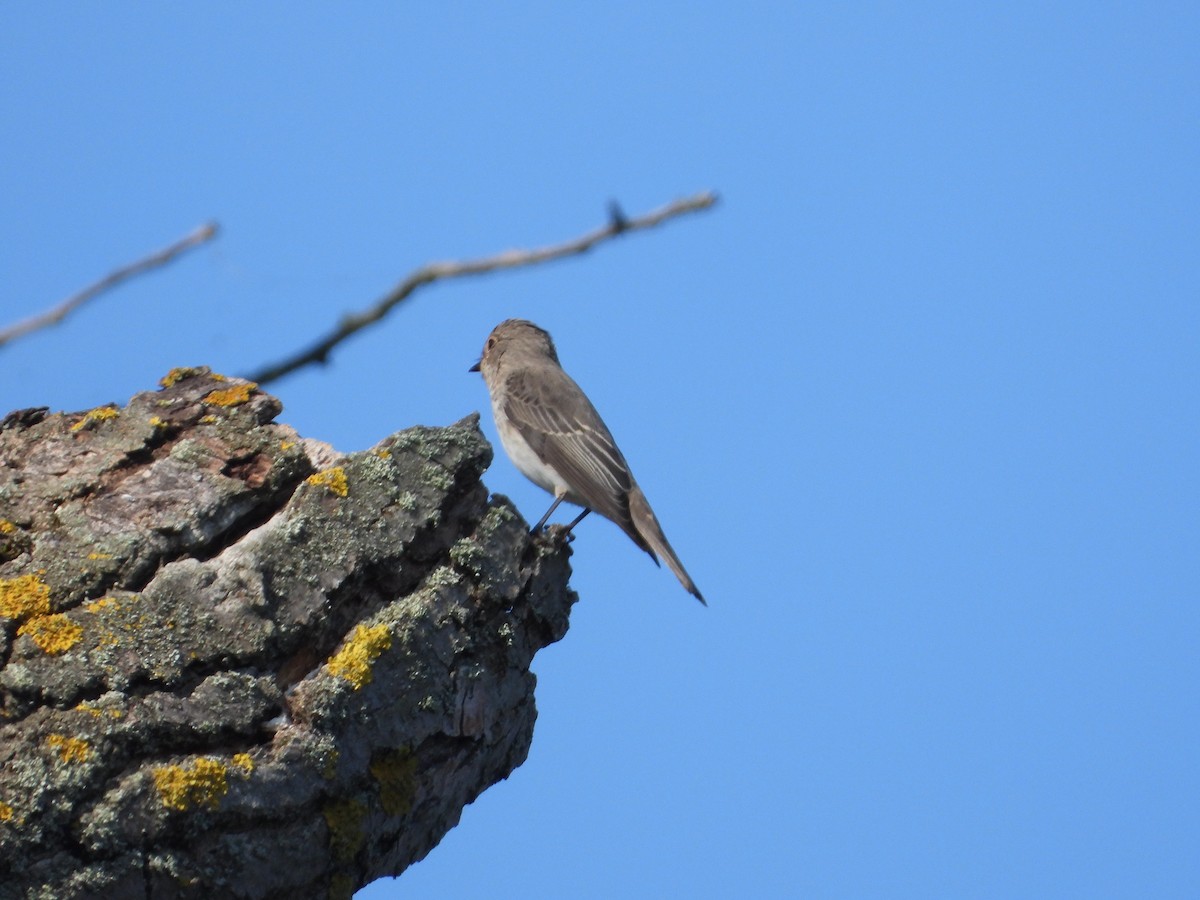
(651, 532)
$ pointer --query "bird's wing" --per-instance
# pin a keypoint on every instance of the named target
(571, 437)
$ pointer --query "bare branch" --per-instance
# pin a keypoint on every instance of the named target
(55, 315)
(510, 259)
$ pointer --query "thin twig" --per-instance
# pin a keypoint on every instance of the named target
(510, 259)
(55, 315)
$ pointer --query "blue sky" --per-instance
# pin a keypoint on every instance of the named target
(916, 404)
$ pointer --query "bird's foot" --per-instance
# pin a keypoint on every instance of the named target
(558, 532)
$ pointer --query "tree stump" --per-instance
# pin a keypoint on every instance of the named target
(234, 663)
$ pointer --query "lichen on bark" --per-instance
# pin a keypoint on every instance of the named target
(237, 664)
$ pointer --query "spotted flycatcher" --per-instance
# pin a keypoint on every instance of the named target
(556, 438)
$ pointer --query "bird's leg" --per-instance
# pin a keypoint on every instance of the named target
(549, 512)
(579, 518)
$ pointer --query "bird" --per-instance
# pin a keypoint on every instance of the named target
(555, 437)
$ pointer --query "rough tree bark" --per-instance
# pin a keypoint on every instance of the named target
(236, 664)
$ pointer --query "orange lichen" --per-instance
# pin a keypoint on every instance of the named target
(203, 783)
(7, 527)
(231, 396)
(333, 479)
(178, 374)
(53, 634)
(99, 414)
(69, 749)
(23, 596)
(353, 662)
(6, 812)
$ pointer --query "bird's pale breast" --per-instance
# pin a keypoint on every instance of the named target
(523, 457)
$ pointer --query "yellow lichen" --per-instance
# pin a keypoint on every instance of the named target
(286, 445)
(244, 762)
(396, 773)
(23, 596)
(231, 396)
(97, 711)
(7, 527)
(97, 605)
(203, 783)
(333, 479)
(157, 422)
(353, 662)
(341, 887)
(384, 454)
(6, 812)
(106, 639)
(209, 420)
(330, 770)
(69, 749)
(94, 556)
(53, 634)
(99, 414)
(178, 374)
(344, 818)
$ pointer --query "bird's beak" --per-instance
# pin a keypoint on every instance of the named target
(475, 368)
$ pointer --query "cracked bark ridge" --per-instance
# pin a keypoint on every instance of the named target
(236, 664)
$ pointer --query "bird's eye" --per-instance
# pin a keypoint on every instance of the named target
(491, 343)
